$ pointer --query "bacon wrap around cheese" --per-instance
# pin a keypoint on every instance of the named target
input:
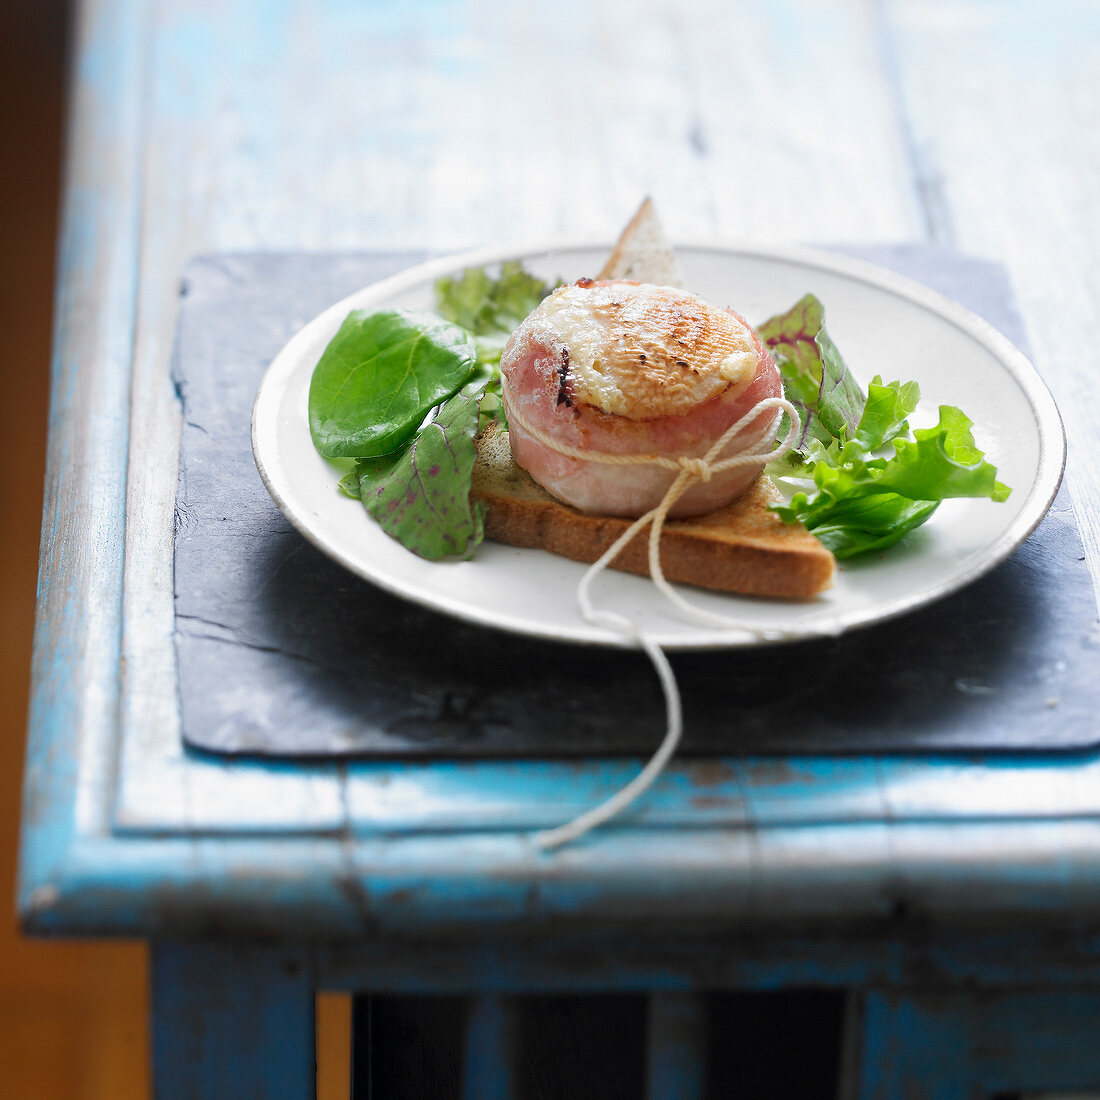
(626, 368)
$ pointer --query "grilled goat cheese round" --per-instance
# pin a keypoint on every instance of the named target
(633, 369)
(640, 351)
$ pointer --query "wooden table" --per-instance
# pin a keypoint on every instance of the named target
(957, 898)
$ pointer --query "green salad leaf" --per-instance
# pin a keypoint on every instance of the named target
(384, 372)
(941, 462)
(864, 502)
(816, 379)
(379, 377)
(349, 484)
(858, 524)
(489, 307)
(420, 494)
(885, 415)
(864, 499)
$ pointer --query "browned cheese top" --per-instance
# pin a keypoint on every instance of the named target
(640, 350)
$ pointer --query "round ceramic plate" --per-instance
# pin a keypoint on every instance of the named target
(883, 324)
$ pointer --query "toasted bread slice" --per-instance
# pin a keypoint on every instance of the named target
(643, 252)
(742, 548)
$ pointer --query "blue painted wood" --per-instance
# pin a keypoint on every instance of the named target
(489, 1049)
(676, 1047)
(953, 875)
(191, 797)
(202, 127)
(891, 957)
(232, 1022)
(78, 626)
(281, 651)
(951, 1045)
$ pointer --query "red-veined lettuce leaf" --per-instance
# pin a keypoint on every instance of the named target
(420, 494)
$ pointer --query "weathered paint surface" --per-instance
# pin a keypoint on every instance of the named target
(202, 127)
(232, 1021)
(942, 1048)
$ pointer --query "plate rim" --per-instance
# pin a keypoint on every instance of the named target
(1051, 433)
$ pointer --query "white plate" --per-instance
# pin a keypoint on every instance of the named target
(883, 324)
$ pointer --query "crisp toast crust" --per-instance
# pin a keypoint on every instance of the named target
(643, 253)
(742, 548)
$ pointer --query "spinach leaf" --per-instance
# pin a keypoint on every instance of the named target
(420, 494)
(378, 378)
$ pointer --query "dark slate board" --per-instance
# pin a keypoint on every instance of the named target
(282, 652)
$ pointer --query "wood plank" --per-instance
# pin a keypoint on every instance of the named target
(252, 181)
(1005, 123)
(278, 157)
(334, 1046)
(399, 798)
(676, 1046)
(794, 125)
(232, 1021)
(489, 1049)
(727, 960)
(76, 653)
(1038, 874)
(154, 770)
(962, 1044)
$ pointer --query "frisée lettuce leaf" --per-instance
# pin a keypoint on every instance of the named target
(490, 309)
(487, 306)
(885, 414)
(865, 500)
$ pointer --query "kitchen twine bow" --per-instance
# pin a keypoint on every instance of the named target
(688, 470)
